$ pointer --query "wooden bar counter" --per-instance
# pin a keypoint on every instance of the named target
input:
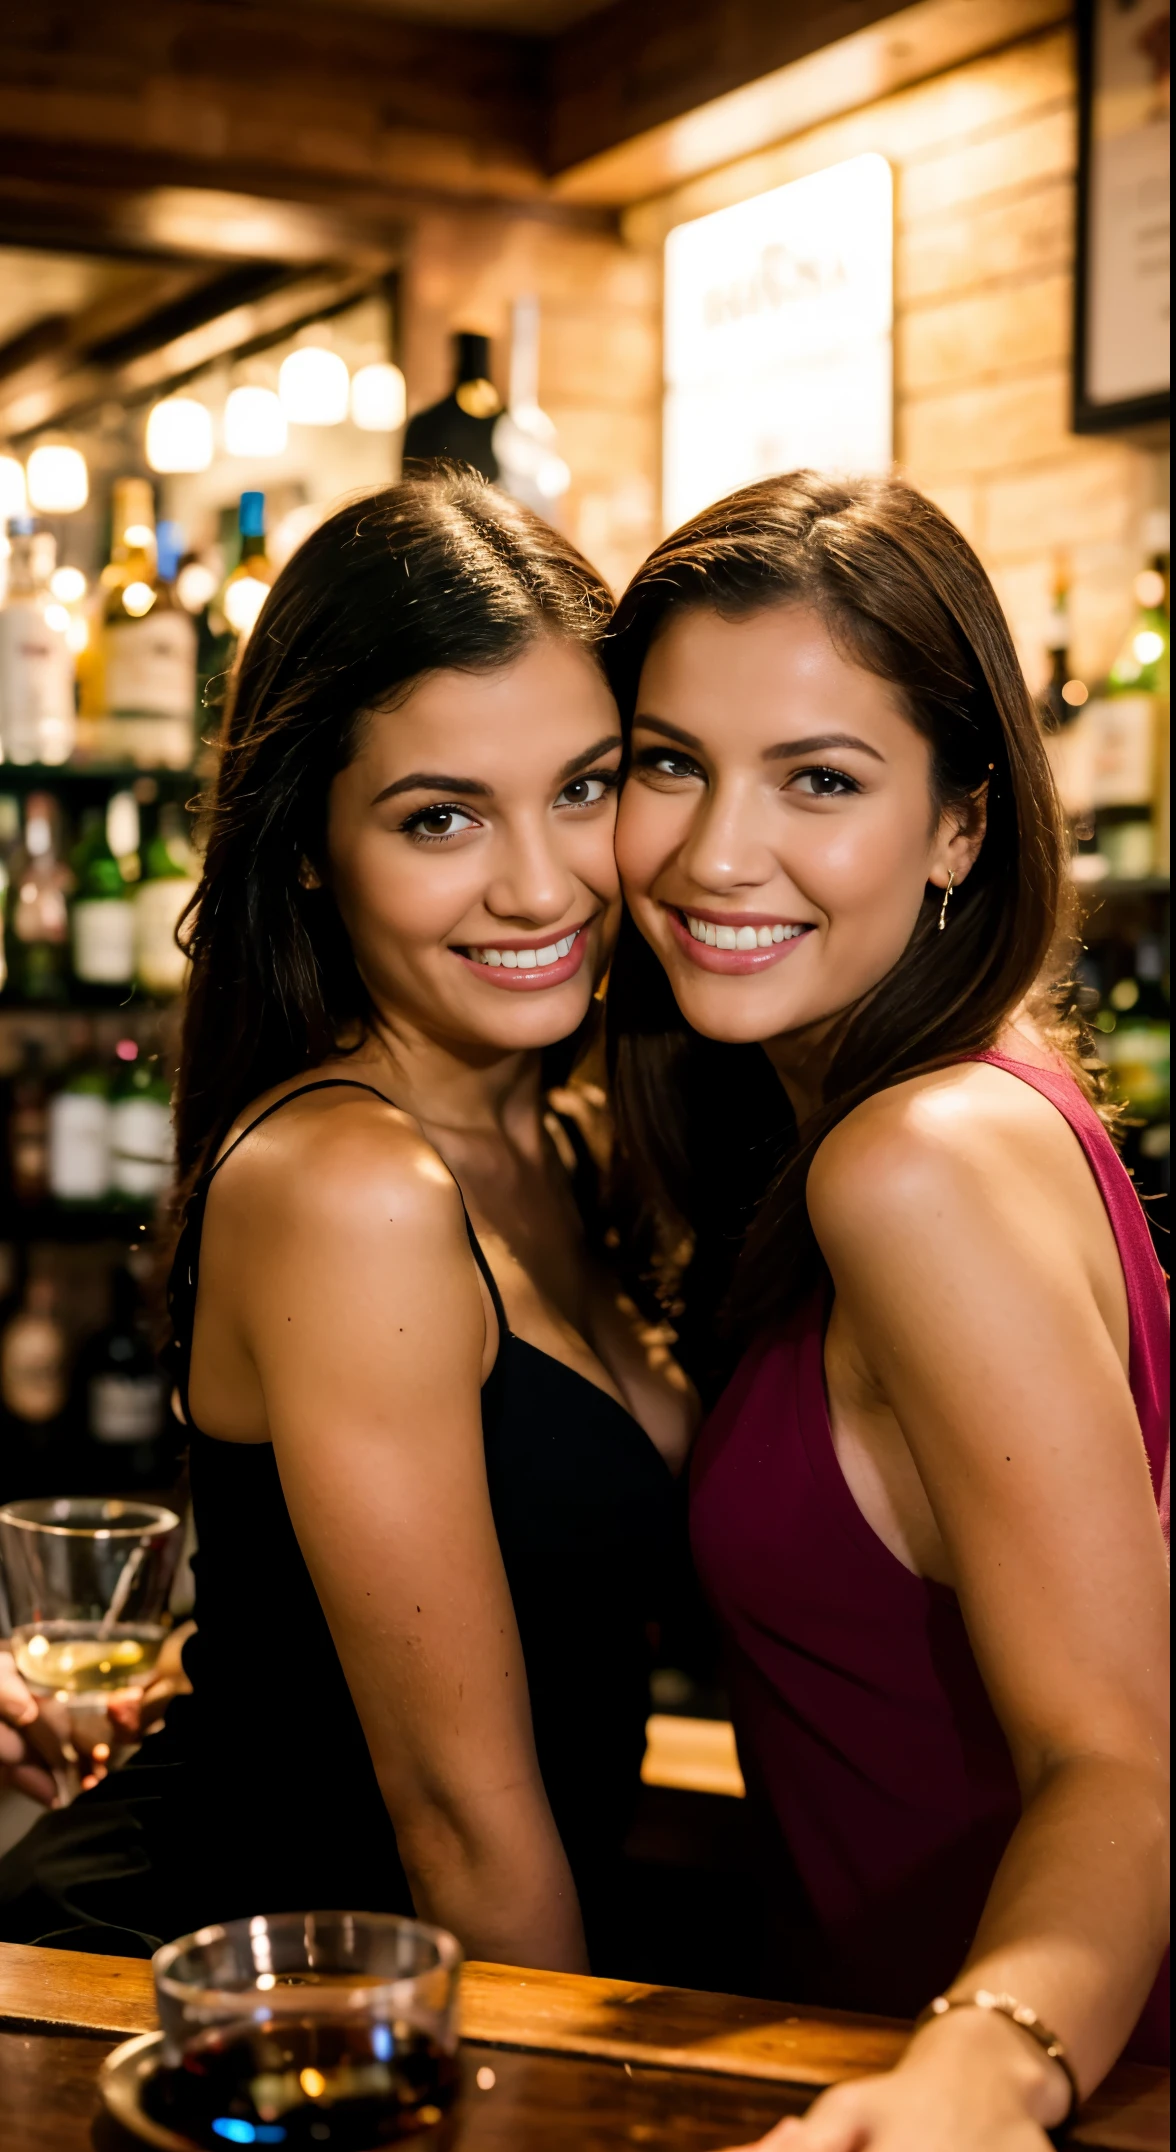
(549, 2061)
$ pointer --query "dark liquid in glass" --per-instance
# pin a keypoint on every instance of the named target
(310, 2085)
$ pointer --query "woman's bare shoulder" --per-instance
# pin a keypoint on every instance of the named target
(952, 1139)
(332, 1160)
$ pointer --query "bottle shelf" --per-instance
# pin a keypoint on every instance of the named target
(22, 777)
(93, 1001)
(71, 1224)
(1153, 885)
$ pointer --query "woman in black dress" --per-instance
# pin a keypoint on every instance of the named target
(431, 1455)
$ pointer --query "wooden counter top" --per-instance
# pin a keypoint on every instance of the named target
(679, 2036)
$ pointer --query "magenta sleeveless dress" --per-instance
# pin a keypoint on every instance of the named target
(867, 1740)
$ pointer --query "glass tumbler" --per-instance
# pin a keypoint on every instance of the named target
(87, 1583)
(336, 2030)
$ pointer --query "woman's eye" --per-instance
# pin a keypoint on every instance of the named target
(432, 825)
(823, 784)
(663, 762)
(588, 791)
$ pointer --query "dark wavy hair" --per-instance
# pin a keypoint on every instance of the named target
(706, 1137)
(438, 572)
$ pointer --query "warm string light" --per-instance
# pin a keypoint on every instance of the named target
(379, 401)
(179, 435)
(313, 386)
(255, 423)
(57, 479)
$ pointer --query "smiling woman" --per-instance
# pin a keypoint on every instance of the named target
(430, 1460)
(929, 1508)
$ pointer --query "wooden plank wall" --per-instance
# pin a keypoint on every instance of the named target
(984, 161)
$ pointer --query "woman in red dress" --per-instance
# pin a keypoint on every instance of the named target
(927, 1507)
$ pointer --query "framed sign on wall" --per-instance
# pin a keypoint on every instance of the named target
(778, 320)
(1121, 333)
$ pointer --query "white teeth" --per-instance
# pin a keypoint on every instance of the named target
(717, 937)
(526, 959)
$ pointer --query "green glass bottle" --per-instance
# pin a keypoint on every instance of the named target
(102, 916)
(79, 1133)
(38, 916)
(168, 882)
(141, 1144)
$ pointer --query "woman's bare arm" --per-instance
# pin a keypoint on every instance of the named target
(973, 1293)
(362, 1313)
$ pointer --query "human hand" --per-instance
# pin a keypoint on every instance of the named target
(34, 1738)
(973, 2091)
(139, 1708)
(50, 1749)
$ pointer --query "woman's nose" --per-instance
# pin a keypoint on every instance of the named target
(530, 882)
(725, 847)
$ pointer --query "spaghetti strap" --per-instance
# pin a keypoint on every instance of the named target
(185, 1269)
(352, 1083)
(322, 1083)
(482, 1261)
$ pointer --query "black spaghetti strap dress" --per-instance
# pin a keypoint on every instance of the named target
(260, 1795)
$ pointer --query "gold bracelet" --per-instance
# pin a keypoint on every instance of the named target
(1017, 2014)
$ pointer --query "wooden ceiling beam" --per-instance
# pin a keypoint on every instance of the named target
(298, 95)
(58, 372)
(654, 92)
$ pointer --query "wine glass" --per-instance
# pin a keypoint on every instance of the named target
(87, 1581)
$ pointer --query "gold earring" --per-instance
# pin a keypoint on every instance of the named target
(946, 900)
(308, 875)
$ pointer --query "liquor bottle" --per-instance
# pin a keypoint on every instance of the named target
(79, 1133)
(168, 883)
(122, 1396)
(1064, 707)
(102, 916)
(28, 1127)
(38, 919)
(1130, 721)
(141, 1142)
(33, 1377)
(9, 842)
(461, 427)
(524, 440)
(248, 587)
(38, 721)
(148, 640)
(1135, 1041)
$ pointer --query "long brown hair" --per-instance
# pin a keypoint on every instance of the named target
(431, 574)
(705, 1132)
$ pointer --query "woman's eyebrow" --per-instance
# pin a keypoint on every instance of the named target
(816, 744)
(672, 732)
(591, 754)
(784, 750)
(430, 781)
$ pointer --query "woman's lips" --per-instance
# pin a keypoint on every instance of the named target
(736, 961)
(526, 975)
